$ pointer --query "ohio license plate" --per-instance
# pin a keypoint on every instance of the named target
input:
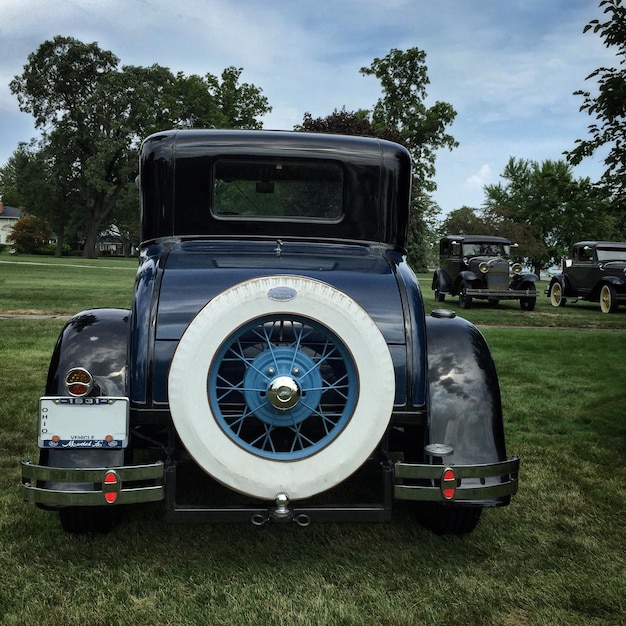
(100, 422)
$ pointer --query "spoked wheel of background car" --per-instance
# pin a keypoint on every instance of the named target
(281, 384)
(556, 294)
(465, 301)
(448, 520)
(608, 299)
(527, 303)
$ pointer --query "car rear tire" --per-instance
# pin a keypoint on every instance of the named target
(80, 520)
(465, 301)
(448, 520)
(528, 302)
(608, 299)
(556, 294)
(281, 384)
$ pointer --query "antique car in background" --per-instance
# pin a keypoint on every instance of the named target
(277, 363)
(478, 266)
(596, 272)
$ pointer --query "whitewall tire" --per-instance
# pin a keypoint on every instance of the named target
(281, 384)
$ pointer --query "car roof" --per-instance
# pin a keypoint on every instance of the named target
(476, 239)
(601, 244)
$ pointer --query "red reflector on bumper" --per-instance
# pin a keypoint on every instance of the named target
(448, 483)
(110, 487)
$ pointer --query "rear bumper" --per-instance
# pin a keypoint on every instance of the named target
(456, 483)
(101, 486)
(492, 483)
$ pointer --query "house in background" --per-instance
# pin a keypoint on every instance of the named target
(8, 216)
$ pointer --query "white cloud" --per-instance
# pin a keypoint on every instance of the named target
(481, 178)
(508, 68)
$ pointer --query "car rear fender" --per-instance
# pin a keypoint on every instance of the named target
(95, 340)
(464, 394)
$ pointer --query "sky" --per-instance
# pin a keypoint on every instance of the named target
(509, 68)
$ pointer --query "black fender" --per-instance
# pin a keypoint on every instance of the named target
(441, 281)
(464, 393)
(614, 281)
(520, 280)
(565, 286)
(97, 340)
(465, 275)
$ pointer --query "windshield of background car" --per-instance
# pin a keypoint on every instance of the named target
(486, 249)
(292, 190)
(611, 254)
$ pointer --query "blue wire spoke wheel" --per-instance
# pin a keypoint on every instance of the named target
(283, 387)
(281, 384)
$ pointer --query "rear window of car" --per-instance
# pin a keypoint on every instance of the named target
(274, 189)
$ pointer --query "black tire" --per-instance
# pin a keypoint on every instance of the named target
(465, 301)
(439, 297)
(528, 303)
(81, 520)
(556, 294)
(448, 520)
(608, 299)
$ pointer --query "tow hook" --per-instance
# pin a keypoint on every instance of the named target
(282, 513)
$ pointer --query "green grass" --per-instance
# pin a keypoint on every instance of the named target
(555, 556)
(36, 284)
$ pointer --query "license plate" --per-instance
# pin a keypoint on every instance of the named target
(83, 422)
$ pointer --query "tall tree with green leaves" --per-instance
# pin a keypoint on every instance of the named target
(608, 107)
(403, 76)
(401, 115)
(545, 209)
(466, 221)
(92, 115)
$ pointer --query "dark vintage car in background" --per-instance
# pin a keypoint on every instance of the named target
(596, 272)
(274, 363)
(478, 266)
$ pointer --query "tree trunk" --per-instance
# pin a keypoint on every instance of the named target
(91, 239)
(60, 240)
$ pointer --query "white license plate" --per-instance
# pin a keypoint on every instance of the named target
(100, 422)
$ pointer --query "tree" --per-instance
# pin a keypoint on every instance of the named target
(422, 130)
(544, 209)
(30, 235)
(401, 115)
(608, 106)
(465, 221)
(93, 115)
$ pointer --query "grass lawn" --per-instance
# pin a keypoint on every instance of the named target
(555, 556)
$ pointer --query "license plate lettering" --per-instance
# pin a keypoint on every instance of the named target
(100, 422)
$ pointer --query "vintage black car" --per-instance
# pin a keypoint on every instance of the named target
(273, 366)
(596, 272)
(478, 266)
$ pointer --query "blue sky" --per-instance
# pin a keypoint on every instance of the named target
(508, 67)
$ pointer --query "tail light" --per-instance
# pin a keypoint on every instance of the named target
(78, 382)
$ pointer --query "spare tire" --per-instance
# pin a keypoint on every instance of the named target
(281, 384)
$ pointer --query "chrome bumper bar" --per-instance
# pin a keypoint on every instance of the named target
(62, 486)
(456, 483)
